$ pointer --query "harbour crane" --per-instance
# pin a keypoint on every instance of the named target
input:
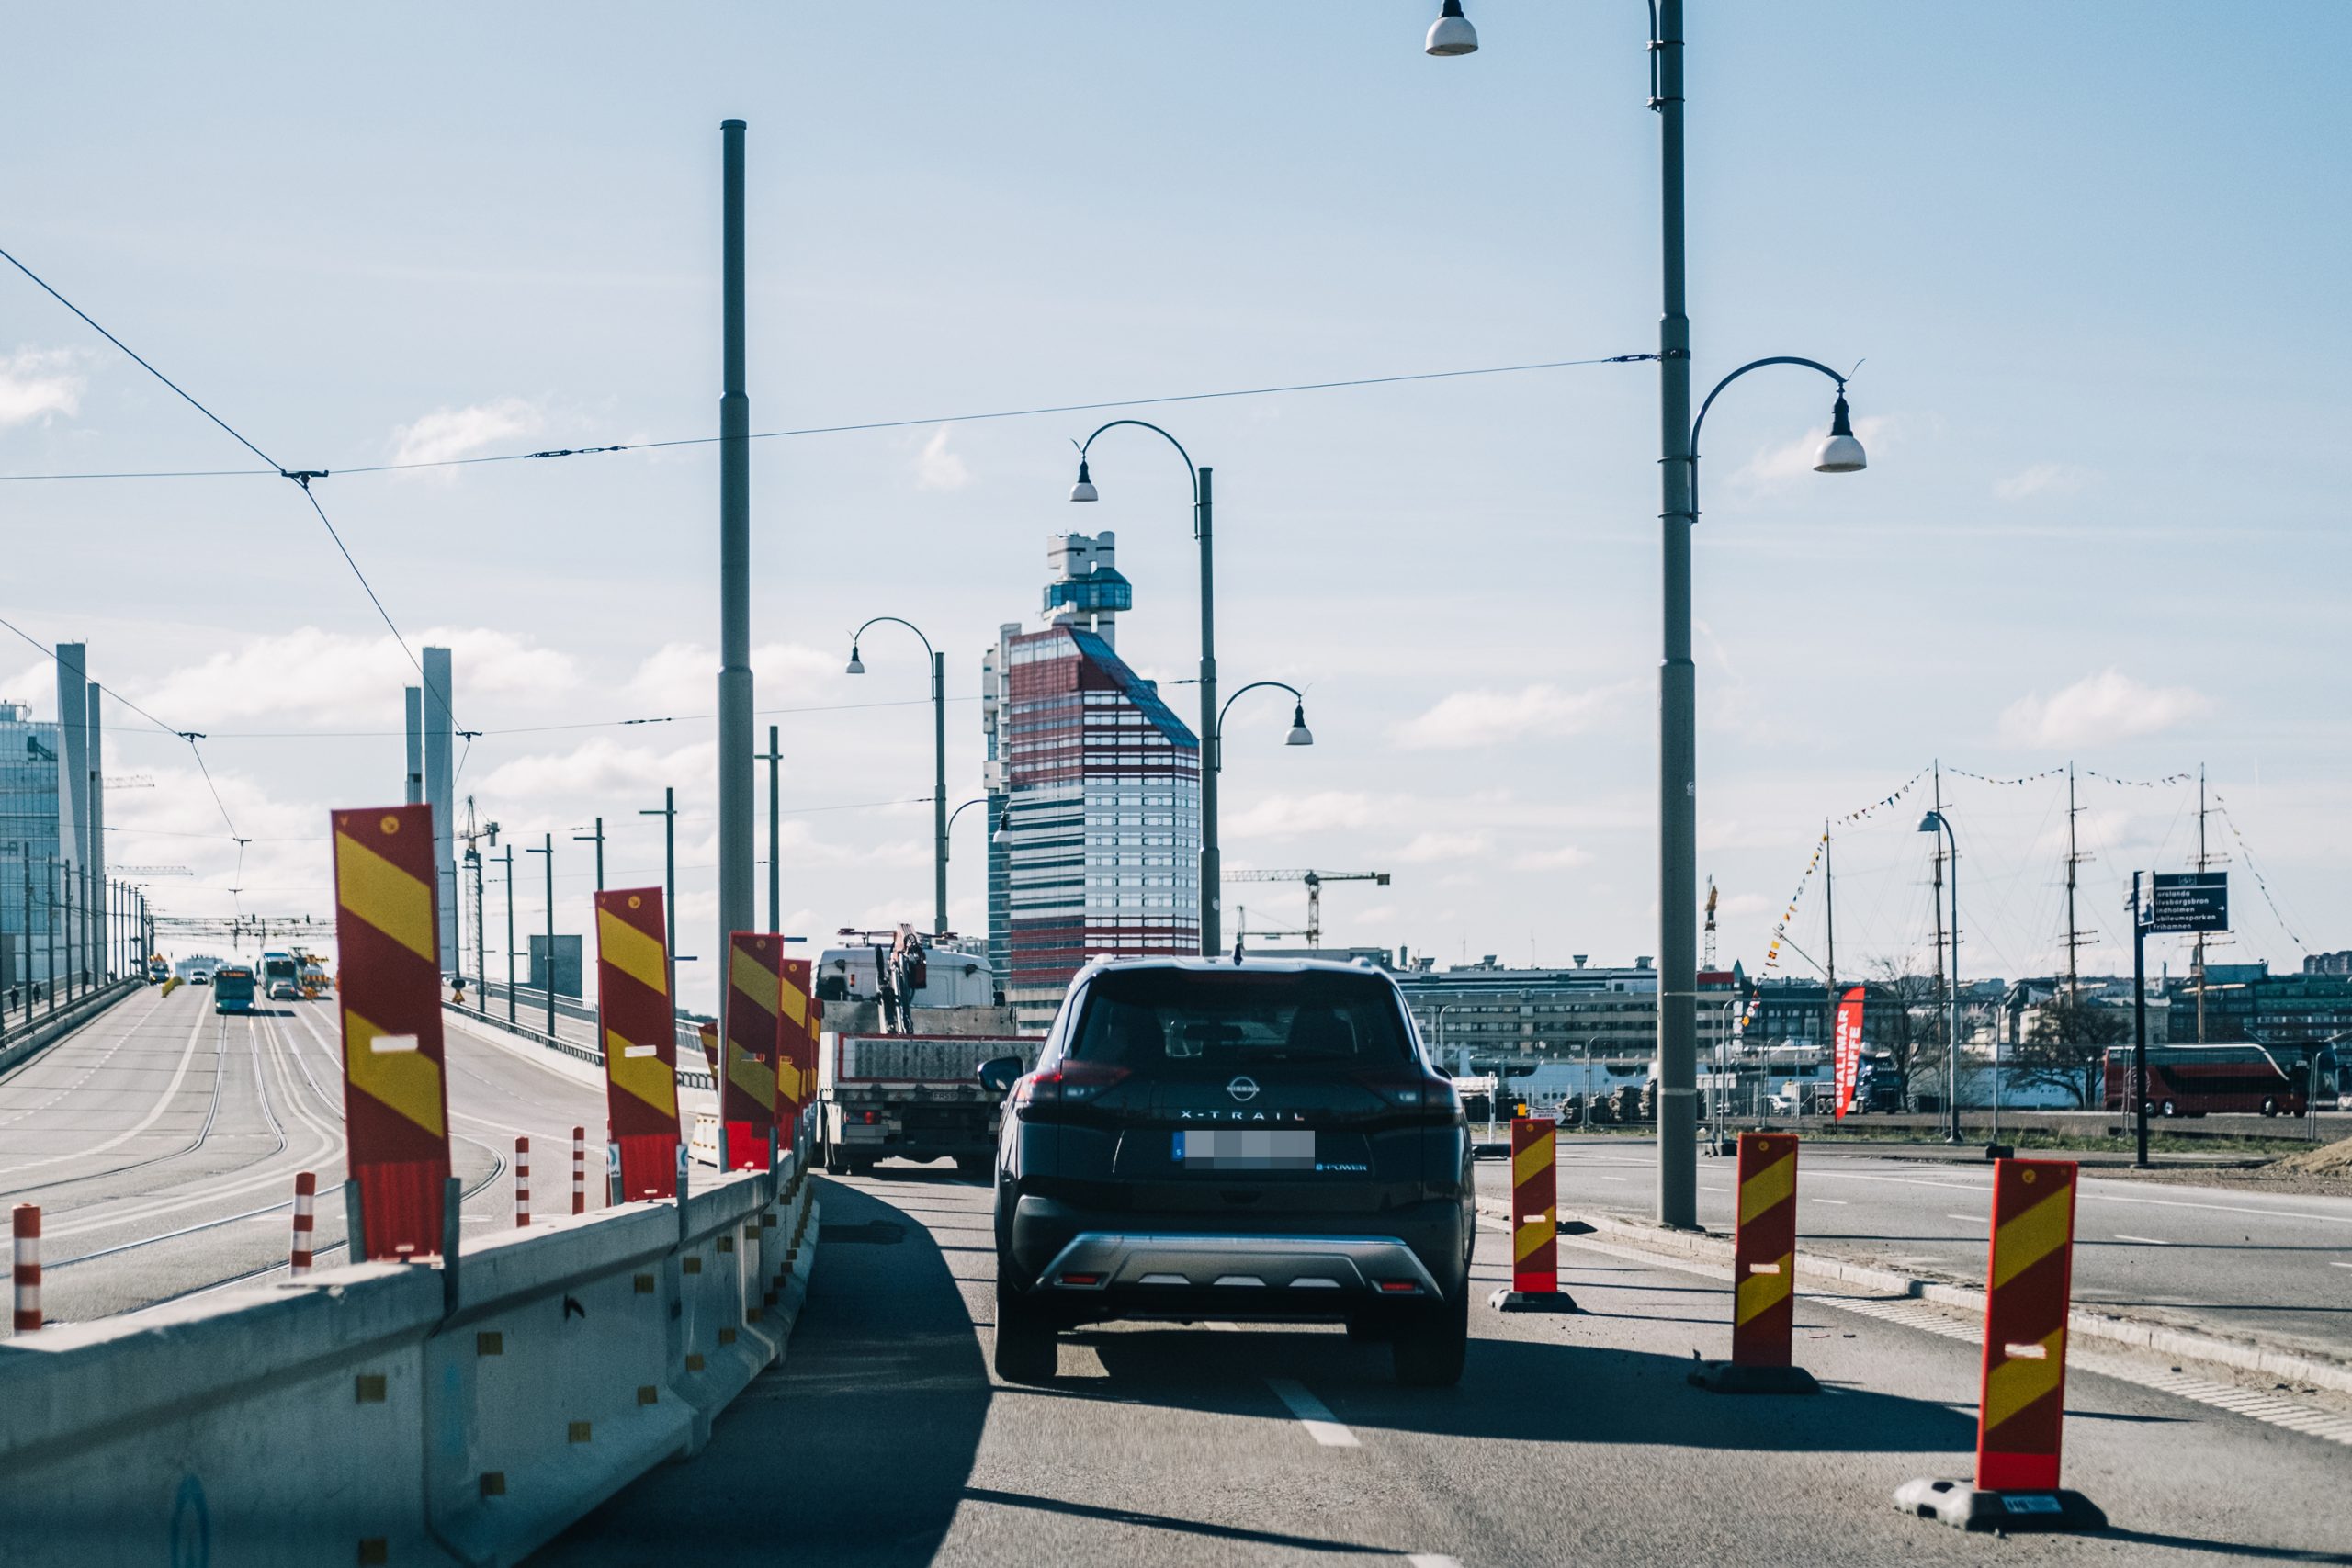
(1314, 881)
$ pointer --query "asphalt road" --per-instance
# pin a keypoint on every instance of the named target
(884, 1439)
(2246, 1264)
(162, 1140)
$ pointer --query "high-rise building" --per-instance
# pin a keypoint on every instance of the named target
(1094, 792)
(52, 825)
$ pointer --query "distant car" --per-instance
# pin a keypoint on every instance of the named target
(1202, 1141)
(285, 991)
(200, 978)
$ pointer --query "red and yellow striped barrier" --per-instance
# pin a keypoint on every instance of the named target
(747, 1090)
(395, 1094)
(1764, 1251)
(641, 1040)
(2029, 1287)
(796, 1055)
(1535, 1207)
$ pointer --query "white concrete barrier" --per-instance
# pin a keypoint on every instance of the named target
(362, 1415)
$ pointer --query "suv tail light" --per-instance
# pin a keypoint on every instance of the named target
(1412, 1090)
(1072, 1084)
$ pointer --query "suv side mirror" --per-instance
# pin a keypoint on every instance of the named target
(999, 1074)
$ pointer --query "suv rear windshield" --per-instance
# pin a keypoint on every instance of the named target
(1182, 1021)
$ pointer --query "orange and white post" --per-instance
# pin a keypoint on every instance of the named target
(579, 1171)
(306, 1196)
(2029, 1290)
(1535, 1221)
(27, 1229)
(522, 1182)
(1764, 1276)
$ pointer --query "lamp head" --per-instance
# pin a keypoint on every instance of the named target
(856, 665)
(1840, 453)
(1003, 834)
(1299, 733)
(1932, 822)
(1451, 33)
(1084, 489)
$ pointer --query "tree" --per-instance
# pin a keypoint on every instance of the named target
(2065, 1046)
(1908, 1012)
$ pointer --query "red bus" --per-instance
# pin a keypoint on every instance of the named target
(2191, 1080)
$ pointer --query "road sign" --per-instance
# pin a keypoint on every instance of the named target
(2185, 901)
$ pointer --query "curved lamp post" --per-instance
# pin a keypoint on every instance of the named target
(1211, 863)
(1299, 733)
(1678, 904)
(1937, 821)
(939, 757)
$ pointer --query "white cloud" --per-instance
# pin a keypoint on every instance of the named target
(1566, 857)
(319, 673)
(37, 381)
(1437, 846)
(938, 469)
(1483, 717)
(1283, 815)
(2044, 478)
(682, 677)
(447, 433)
(1779, 465)
(2110, 706)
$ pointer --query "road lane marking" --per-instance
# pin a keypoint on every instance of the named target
(2340, 1265)
(2224, 1209)
(170, 1092)
(1833, 1202)
(1704, 1187)
(1619, 1179)
(2142, 1240)
(1313, 1413)
(1431, 1560)
(1970, 1219)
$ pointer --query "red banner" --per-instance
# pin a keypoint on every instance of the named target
(395, 1093)
(641, 1040)
(1847, 1057)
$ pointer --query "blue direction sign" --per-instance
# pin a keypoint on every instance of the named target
(2187, 902)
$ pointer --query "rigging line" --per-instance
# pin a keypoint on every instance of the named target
(304, 481)
(871, 424)
(142, 364)
(578, 724)
(2259, 881)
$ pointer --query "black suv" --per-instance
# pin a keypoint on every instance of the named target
(1212, 1140)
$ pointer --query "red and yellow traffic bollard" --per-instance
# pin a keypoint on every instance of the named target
(1535, 1221)
(2029, 1289)
(1764, 1276)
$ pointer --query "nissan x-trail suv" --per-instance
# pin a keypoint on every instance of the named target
(1206, 1140)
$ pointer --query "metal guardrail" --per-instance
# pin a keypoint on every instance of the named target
(687, 1077)
(19, 1044)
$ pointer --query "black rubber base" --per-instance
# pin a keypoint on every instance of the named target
(1963, 1506)
(2000, 1151)
(1732, 1377)
(1531, 1301)
(1489, 1151)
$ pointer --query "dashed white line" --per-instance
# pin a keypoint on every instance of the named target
(2332, 1265)
(1833, 1202)
(1969, 1219)
(1311, 1413)
(1431, 1560)
(2142, 1240)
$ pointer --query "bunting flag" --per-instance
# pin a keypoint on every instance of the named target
(641, 1040)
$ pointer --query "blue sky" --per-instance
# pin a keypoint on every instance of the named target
(2090, 257)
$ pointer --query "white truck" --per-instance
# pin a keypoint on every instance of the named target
(915, 1097)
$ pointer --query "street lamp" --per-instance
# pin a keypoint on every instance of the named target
(1936, 821)
(1677, 903)
(1203, 512)
(939, 760)
(1299, 733)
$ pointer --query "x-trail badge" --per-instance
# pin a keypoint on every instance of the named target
(1243, 1088)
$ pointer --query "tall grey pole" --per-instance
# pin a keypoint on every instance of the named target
(414, 703)
(939, 792)
(1212, 858)
(669, 815)
(1677, 885)
(773, 757)
(2138, 1088)
(737, 845)
(548, 849)
(509, 933)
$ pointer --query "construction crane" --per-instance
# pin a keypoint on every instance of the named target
(1315, 881)
(1707, 958)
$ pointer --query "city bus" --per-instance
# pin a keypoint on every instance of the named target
(233, 990)
(2195, 1080)
(278, 968)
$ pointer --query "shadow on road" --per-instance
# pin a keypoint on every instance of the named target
(855, 1452)
(1514, 1390)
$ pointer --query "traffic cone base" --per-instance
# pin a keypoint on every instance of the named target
(1532, 1301)
(1967, 1507)
(1741, 1377)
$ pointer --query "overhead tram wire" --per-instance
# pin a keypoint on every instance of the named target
(554, 452)
(190, 736)
(300, 476)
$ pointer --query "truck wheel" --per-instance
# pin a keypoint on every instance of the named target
(975, 1168)
(1429, 1350)
(2270, 1106)
(862, 1166)
(1025, 1351)
(834, 1163)
(2169, 1109)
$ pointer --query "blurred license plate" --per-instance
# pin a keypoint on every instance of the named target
(1236, 1148)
